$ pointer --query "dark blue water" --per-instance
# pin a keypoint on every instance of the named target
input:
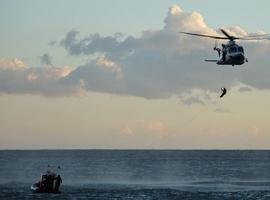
(139, 174)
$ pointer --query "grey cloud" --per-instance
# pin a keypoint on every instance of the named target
(195, 97)
(46, 59)
(192, 100)
(52, 43)
(245, 89)
(95, 79)
(96, 43)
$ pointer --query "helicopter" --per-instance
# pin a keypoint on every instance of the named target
(231, 53)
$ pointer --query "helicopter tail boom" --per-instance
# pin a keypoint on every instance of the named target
(211, 60)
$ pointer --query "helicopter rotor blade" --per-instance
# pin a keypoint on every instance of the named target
(253, 39)
(248, 37)
(225, 33)
(202, 35)
(256, 37)
(259, 35)
(228, 36)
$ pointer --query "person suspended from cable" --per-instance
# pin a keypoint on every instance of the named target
(224, 91)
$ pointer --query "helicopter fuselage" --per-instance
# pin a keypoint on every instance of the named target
(232, 54)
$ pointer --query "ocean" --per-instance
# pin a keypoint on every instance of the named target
(139, 174)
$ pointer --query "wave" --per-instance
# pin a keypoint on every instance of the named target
(108, 191)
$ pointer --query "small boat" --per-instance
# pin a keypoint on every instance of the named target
(50, 183)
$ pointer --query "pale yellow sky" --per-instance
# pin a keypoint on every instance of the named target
(240, 120)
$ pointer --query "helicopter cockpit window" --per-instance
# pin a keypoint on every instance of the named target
(240, 49)
(232, 49)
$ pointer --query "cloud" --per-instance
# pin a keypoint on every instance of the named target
(157, 128)
(16, 78)
(245, 89)
(12, 64)
(162, 63)
(109, 65)
(192, 100)
(126, 130)
(195, 97)
(156, 64)
(96, 43)
(46, 59)
(52, 43)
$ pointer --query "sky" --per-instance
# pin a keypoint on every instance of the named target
(117, 75)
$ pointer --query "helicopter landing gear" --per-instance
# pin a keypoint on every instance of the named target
(246, 60)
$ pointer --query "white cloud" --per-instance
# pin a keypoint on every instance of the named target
(16, 78)
(177, 19)
(12, 64)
